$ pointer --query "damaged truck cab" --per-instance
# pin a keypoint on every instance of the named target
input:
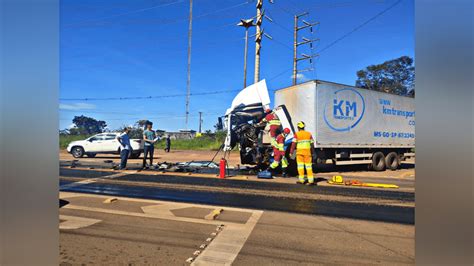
(241, 121)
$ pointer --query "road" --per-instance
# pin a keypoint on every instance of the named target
(159, 218)
(137, 231)
(406, 173)
(369, 204)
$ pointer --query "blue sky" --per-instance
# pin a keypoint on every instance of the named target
(139, 48)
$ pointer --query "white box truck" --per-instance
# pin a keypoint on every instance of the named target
(350, 125)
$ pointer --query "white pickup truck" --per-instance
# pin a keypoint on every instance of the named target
(103, 143)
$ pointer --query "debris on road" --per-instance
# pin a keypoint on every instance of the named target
(110, 200)
(265, 175)
(214, 214)
(338, 180)
(75, 163)
(199, 164)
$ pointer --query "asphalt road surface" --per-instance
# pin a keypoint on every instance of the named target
(130, 231)
(359, 203)
(151, 218)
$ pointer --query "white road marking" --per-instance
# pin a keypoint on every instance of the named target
(79, 183)
(91, 180)
(222, 250)
(74, 222)
(226, 246)
(158, 215)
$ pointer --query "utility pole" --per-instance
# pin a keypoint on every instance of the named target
(258, 37)
(258, 40)
(305, 41)
(246, 23)
(200, 121)
(188, 82)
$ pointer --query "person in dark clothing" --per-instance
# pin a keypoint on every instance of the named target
(168, 144)
(149, 137)
(125, 148)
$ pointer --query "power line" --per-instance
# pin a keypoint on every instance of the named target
(278, 24)
(154, 117)
(124, 14)
(359, 27)
(345, 35)
(171, 21)
(147, 97)
(282, 44)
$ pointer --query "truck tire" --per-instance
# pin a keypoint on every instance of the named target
(378, 161)
(77, 152)
(392, 161)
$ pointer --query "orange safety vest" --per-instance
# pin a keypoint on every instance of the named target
(303, 140)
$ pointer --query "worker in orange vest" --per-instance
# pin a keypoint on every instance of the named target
(279, 152)
(304, 144)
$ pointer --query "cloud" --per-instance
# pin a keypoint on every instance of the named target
(76, 106)
(300, 77)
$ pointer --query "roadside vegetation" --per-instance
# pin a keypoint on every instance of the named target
(208, 141)
(205, 142)
(64, 139)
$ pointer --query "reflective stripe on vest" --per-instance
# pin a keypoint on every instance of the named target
(303, 144)
(280, 147)
(274, 122)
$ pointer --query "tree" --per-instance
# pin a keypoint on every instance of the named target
(87, 125)
(219, 126)
(141, 123)
(395, 76)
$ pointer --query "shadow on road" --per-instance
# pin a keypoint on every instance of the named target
(326, 168)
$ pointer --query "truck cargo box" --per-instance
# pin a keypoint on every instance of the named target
(348, 117)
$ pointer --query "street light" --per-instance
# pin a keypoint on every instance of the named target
(246, 23)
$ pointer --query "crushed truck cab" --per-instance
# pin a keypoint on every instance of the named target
(241, 119)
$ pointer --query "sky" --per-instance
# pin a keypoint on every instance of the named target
(114, 49)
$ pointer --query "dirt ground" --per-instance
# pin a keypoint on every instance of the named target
(406, 172)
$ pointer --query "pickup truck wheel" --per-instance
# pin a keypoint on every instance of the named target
(378, 161)
(77, 152)
(91, 155)
(392, 161)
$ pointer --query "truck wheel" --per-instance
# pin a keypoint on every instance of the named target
(392, 161)
(378, 161)
(77, 152)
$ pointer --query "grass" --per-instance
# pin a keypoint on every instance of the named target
(64, 140)
(199, 143)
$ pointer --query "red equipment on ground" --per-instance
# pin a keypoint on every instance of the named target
(222, 168)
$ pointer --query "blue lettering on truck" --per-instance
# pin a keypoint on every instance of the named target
(347, 103)
(388, 110)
